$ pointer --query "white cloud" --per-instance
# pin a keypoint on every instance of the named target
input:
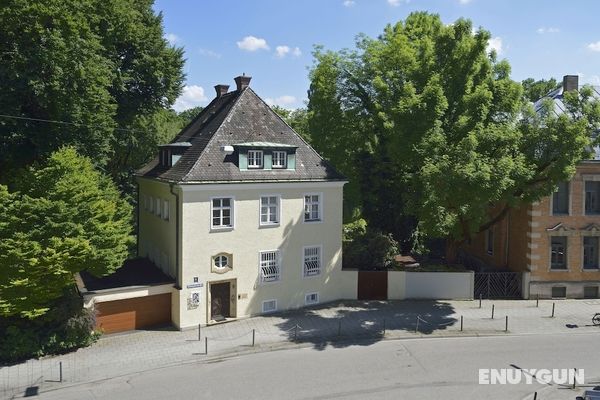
(252, 43)
(396, 3)
(495, 43)
(172, 38)
(191, 96)
(589, 80)
(594, 46)
(282, 51)
(349, 3)
(281, 101)
(464, 1)
(543, 30)
(208, 53)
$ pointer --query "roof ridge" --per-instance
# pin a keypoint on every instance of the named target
(212, 136)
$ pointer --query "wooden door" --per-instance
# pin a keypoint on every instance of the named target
(219, 300)
(372, 285)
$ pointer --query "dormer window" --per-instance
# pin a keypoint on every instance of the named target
(279, 159)
(255, 159)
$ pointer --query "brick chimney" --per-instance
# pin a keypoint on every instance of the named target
(221, 90)
(570, 82)
(242, 81)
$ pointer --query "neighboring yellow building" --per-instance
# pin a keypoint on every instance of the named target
(555, 242)
(243, 214)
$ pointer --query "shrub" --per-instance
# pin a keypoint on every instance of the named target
(368, 249)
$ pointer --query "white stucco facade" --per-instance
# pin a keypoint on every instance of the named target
(191, 262)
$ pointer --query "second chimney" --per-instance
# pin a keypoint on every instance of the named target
(221, 90)
(570, 82)
(242, 82)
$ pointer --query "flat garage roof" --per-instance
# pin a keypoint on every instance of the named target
(134, 272)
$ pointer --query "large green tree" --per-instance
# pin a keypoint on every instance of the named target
(101, 66)
(428, 124)
(65, 217)
(533, 90)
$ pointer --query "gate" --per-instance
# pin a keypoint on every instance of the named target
(497, 285)
(372, 285)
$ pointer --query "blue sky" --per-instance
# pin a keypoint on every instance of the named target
(272, 40)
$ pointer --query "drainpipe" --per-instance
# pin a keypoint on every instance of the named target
(176, 195)
(137, 220)
(507, 239)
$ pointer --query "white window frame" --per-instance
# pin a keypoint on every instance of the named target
(166, 213)
(308, 302)
(278, 210)
(261, 158)
(222, 255)
(261, 263)
(271, 310)
(304, 260)
(231, 214)
(158, 207)
(284, 159)
(320, 204)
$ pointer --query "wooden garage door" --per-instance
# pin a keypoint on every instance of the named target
(136, 313)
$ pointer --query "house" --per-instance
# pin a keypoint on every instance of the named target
(555, 241)
(243, 214)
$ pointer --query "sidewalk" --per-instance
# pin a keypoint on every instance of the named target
(339, 325)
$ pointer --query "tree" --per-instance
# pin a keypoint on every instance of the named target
(534, 90)
(188, 115)
(297, 119)
(102, 67)
(436, 112)
(65, 217)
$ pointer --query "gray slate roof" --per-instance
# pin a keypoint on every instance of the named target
(238, 117)
(557, 96)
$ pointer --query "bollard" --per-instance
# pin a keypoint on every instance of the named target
(461, 323)
(574, 377)
(205, 345)
(506, 325)
(553, 304)
(296, 332)
(384, 327)
(535, 396)
(492, 311)
(199, 332)
(537, 300)
(480, 296)
(253, 336)
(417, 327)
(60, 375)
(340, 327)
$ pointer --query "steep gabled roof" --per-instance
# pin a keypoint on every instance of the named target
(234, 118)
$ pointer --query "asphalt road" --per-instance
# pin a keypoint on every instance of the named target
(442, 368)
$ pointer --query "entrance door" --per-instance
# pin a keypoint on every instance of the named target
(219, 301)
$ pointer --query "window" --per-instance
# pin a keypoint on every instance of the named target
(560, 199)
(255, 159)
(157, 207)
(312, 261)
(269, 210)
(269, 306)
(279, 159)
(270, 270)
(590, 292)
(312, 207)
(221, 261)
(165, 213)
(558, 255)
(222, 212)
(590, 252)
(311, 298)
(592, 197)
(559, 292)
(489, 241)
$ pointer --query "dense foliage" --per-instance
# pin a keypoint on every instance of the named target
(367, 249)
(432, 131)
(103, 67)
(65, 217)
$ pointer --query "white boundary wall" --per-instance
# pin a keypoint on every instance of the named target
(430, 285)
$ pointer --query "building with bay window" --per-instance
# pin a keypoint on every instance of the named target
(243, 214)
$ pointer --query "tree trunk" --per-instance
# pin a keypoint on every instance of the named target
(452, 247)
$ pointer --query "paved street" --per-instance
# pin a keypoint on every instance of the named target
(334, 325)
(437, 368)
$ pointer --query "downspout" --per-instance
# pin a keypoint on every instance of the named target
(137, 222)
(176, 195)
(506, 248)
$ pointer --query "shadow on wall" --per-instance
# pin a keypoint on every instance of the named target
(362, 322)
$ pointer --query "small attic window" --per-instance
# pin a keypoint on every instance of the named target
(255, 158)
